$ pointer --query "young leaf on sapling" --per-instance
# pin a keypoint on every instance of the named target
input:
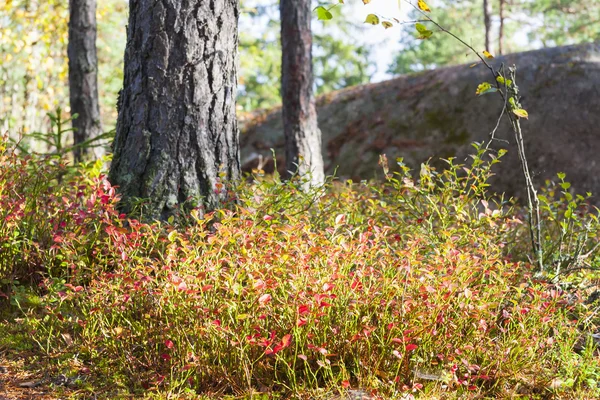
(424, 33)
(519, 112)
(323, 14)
(484, 88)
(423, 6)
(372, 19)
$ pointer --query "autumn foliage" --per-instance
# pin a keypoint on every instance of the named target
(414, 286)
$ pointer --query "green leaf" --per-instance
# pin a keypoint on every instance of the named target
(424, 33)
(561, 175)
(500, 79)
(372, 19)
(323, 14)
(568, 196)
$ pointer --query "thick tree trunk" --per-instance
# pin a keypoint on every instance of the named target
(83, 74)
(302, 135)
(177, 136)
(487, 20)
(501, 30)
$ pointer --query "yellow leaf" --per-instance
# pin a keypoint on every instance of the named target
(519, 112)
(423, 6)
(387, 24)
(366, 1)
(484, 88)
(372, 19)
(487, 54)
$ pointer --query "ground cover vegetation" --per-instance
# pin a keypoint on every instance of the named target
(407, 287)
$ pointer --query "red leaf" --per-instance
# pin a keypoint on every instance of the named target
(169, 344)
(345, 384)
(411, 346)
(264, 299)
(286, 340)
(303, 309)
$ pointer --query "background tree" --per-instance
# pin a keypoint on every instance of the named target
(339, 60)
(532, 24)
(487, 21)
(502, 17)
(33, 66)
(83, 75)
(302, 135)
(177, 140)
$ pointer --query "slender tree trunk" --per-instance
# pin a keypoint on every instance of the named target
(83, 74)
(302, 135)
(177, 135)
(501, 30)
(487, 20)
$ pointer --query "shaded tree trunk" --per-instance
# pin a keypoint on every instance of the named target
(487, 20)
(83, 74)
(501, 30)
(177, 138)
(302, 135)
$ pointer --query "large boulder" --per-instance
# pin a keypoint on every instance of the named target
(437, 114)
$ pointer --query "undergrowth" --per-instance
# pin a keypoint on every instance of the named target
(410, 287)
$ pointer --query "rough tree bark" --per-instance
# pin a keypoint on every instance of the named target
(177, 136)
(83, 74)
(302, 135)
(487, 20)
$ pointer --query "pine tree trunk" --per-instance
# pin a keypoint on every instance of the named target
(302, 135)
(83, 74)
(487, 20)
(501, 30)
(177, 137)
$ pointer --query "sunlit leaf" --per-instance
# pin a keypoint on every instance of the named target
(423, 6)
(519, 112)
(387, 24)
(487, 54)
(323, 14)
(372, 19)
(366, 1)
(424, 33)
(484, 88)
(501, 80)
